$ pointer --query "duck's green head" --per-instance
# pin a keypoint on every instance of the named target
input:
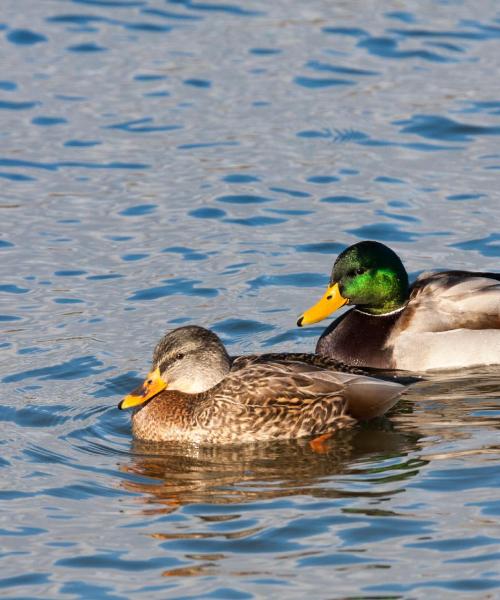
(369, 275)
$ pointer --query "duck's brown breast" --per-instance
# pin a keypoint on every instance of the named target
(168, 416)
(360, 339)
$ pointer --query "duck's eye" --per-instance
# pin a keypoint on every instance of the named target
(359, 271)
(179, 356)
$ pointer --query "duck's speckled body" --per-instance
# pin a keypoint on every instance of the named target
(443, 320)
(274, 396)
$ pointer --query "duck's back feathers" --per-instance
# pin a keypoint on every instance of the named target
(303, 358)
(277, 382)
(365, 390)
(300, 398)
(452, 320)
(453, 300)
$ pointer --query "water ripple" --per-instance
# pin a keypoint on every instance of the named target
(388, 47)
(25, 37)
(441, 128)
(172, 287)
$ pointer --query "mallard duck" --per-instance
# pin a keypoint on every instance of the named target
(195, 392)
(442, 321)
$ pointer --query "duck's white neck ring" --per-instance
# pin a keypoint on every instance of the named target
(392, 312)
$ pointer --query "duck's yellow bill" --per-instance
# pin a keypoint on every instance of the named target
(331, 301)
(153, 384)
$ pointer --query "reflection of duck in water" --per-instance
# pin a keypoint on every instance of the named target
(173, 474)
(443, 320)
(240, 493)
(195, 393)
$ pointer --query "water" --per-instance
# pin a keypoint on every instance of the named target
(191, 161)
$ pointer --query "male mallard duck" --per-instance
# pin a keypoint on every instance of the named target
(442, 321)
(195, 392)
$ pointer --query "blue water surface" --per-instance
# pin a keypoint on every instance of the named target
(166, 162)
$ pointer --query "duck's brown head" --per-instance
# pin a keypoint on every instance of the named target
(189, 359)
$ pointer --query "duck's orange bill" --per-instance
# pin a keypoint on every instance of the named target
(153, 384)
(331, 301)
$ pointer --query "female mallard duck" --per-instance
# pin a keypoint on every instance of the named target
(195, 392)
(442, 321)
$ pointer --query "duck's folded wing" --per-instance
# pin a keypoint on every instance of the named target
(366, 397)
(454, 300)
(296, 386)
